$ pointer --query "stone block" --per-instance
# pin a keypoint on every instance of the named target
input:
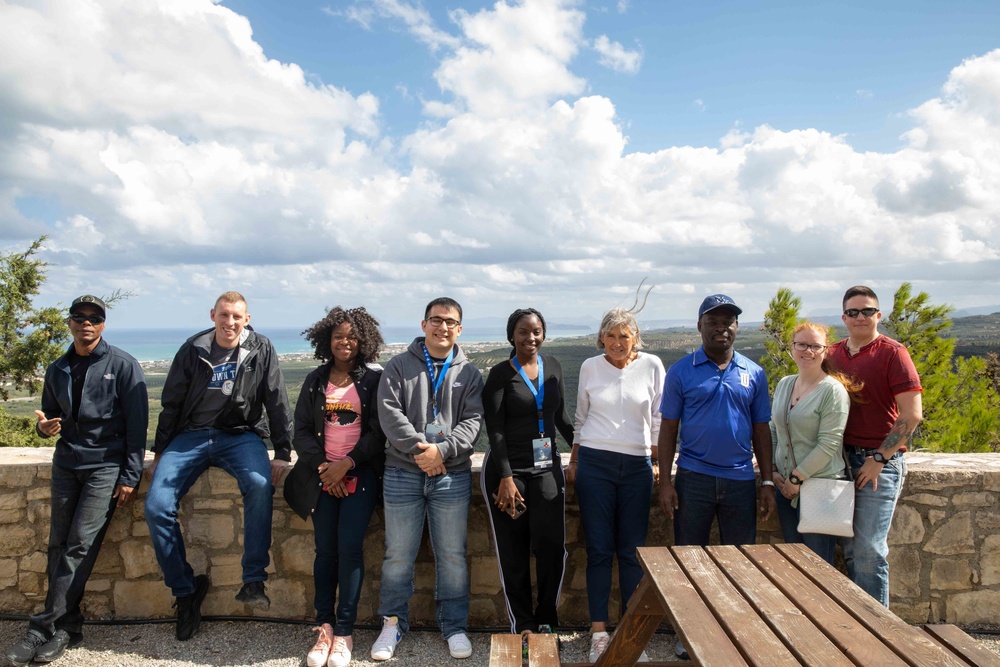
(950, 574)
(16, 476)
(972, 499)
(932, 499)
(973, 608)
(904, 573)
(222, 602)
(295, 522)
(11, 516)
(39, 513)
(109, 562)
(484, 576)
(96, 606)
(422, 610)
(953, 537)
(140, 529)
(212, 530)
(12, 500)
(913, 612)
(221, 483)
(36, 561)
(32, 584)
(8, 572)
(142, 598)
(297, 555)
(907, 526)
(423, 576)
(12, 601)
(227, 575)
(485, 612)
(988, 521)
(18, 540)
(98, 585)
(278, 521)
(213, 504)
(288, 599)
(935, 516)
(40, 493)
(139, 559)
(989, 561)
(119, 529)
(198, 558)
(943, 480)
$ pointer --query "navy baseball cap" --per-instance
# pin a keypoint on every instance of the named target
(718, 301)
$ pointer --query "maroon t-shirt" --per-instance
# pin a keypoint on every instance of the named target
(885, 367)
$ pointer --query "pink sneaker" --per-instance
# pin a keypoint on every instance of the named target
(340, 655)
(321, 650)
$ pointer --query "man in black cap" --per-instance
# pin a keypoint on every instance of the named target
(94, 399)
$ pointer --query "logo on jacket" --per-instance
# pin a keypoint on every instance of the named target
(109, 376)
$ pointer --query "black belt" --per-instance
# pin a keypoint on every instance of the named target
(867, 451)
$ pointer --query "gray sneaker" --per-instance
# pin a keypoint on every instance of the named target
(253, 594)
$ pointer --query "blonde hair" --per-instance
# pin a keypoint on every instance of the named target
(624, 317)
(230, 297)
(852, 386)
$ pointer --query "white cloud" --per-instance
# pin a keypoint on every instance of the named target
(186, 162)
(617, 57)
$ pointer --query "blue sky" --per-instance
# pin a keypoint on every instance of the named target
(525, 152)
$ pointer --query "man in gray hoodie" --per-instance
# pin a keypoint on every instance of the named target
(431, 407)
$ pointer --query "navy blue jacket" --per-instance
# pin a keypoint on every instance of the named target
(259, 386)
(113, 415)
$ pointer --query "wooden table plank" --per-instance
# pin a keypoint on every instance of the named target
(543, 650)
(705, 640)
(805, 640)
(846, 632)
(644, 614)
(962, 645)
(908, 642)
(751, 635)
(505, 650)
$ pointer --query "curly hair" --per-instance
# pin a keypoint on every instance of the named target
(364, 326)
(517, 315)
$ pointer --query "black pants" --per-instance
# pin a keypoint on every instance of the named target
(541, 531)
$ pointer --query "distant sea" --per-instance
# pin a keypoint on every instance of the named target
(162, 344)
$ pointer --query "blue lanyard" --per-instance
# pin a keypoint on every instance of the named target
(539, 393)
(439, 379)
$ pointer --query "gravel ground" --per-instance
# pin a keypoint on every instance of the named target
(232, 644)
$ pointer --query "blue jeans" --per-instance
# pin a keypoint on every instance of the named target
(242, 455)
(867, 552)
(82, 507)
(703, 498)
(614, 492)
(788, 517)
(444, 501)
(339, 526)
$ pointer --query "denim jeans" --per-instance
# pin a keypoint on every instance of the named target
(614, 492)
(703, 498)
(788, 517)
(867, 552)
(339, 526)
(444, 501)
(242, 455)
(82, 507)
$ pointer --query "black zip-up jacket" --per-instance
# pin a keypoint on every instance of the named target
(259, 386)
(302, 486)
(113, 418)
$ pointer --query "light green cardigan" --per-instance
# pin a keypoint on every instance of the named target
(816, 426)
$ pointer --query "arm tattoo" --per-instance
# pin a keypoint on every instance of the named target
(899, 436)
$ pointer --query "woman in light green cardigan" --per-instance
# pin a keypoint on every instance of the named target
(809, 412)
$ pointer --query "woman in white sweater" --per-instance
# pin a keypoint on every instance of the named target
(613, 462)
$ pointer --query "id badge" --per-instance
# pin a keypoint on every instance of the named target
(542, 448)
(436, 432)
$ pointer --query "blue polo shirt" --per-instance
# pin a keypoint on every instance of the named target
(717, 410)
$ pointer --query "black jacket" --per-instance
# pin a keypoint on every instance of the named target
(259, 386)
(113, 416)
(302, 486)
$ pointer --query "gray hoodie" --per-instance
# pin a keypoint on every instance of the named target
(404, 408)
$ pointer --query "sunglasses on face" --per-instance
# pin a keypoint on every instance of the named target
(93, 319)
(854, 312)
(815, 348)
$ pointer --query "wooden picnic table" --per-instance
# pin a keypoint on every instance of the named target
(760, 605)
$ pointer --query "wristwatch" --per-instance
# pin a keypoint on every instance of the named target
(879, 458)
(795, 479)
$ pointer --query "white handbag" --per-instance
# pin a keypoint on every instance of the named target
(826, 506)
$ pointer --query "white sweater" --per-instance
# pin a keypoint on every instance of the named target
(618, 409)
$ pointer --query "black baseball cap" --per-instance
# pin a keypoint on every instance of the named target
(89, 300)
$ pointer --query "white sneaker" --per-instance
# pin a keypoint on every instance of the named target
(598, 644)
(680, 651)
(460, 646)
(385, 644)
(340, 654)
(321, 650)
(643, 657)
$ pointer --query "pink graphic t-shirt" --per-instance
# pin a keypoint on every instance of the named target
(342, 427)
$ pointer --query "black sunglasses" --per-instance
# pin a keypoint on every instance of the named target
(854, 312)
(93, 319)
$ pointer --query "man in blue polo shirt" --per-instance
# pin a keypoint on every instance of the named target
(716, 400)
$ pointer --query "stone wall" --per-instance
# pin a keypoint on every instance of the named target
(945, 550)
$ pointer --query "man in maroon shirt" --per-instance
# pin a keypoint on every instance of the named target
(879, 428)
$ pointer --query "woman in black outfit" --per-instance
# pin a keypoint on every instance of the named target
(336, 480)
(525, 475)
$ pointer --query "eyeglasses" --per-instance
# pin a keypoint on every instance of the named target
(93, 319)
(815, 348)
(438, 321)
(854, 312)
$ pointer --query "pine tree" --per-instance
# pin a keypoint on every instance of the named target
(779, 322)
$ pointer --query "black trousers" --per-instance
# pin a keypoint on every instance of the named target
(540, 531)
